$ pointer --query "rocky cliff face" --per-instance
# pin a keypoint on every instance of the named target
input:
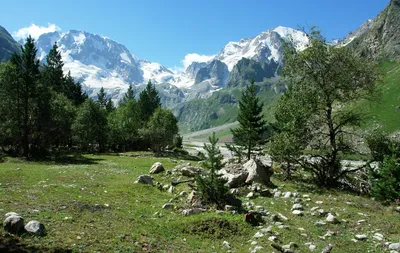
(382, 39)
(8, 45)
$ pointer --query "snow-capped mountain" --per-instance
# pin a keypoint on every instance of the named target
(97, 61)
(266, 46)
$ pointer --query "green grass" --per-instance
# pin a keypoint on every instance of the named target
(107, 212)
(386, 112)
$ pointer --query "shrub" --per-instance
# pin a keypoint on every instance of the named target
(386, 180)
(211, 187)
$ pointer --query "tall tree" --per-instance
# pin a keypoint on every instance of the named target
(148, 101)
(314, 112)
(251, 133)
(27, 66)
(75, 92)
(53, 73)
(129, 95)
(90, 125)
(102, 98)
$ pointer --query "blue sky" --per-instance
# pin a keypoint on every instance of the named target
(166, 31)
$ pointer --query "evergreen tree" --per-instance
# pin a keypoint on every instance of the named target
(212, 187)
(102, 98)
(109, 105)
(75, 92)
(27, 66)
(53, 75)
(148, 101)
(251, 132)
(129, 95)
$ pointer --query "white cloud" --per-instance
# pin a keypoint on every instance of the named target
(189, 58)
(177, 69)
(35, 31)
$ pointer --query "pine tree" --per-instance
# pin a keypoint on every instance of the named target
(53, 74)
(102, 98)
(75, 92)
(28, 68)
(129, 95)
(251, 132)
(148, 101)
(212, 187)
(109, 105)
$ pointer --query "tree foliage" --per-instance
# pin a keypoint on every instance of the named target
(211, 187)
(251, 133)
(316, 112)
(148, 101)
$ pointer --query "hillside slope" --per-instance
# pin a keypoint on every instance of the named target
(7, 45)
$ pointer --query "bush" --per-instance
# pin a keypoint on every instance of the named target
(180, 151)
(211, 187)
(386, 180)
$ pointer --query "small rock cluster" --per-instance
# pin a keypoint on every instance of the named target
(15, 224)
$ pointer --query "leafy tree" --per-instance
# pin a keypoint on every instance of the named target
(323, 79)
(90, 125)
(148, 101)
(161, 129)
(212, 187)
(251, 132)
(124, 124)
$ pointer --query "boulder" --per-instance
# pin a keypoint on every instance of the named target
(192, 211)
(156, 168)
(35, 228)
(257, 172)
(144, 179)
(394, 246)
(190, 171)
(168, 206)
(332, 219)
(234, 174)
(11, 214)
(14, 224)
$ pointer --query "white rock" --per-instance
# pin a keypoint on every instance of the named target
(144, 179)
(287, 195)
(251, 195)
(398, 209)
(168, 206)
(394, 246)
(332, 219)
(11, 214)
(35, 227)
(226, 244)
(257, 248)
(297, 207)
(319, 202)
(183, 194)
(156, 168)
(361, 237)
(312, 247)
(378, 236)
(298, 212)
(320, 223)
(267, 230)
(283, 217)
(14, 224)
(277, 194)
(258, 235)
(273, 238)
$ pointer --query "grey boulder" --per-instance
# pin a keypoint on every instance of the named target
(156, 168)
(144, 179)
(14, 224)
(35, 228)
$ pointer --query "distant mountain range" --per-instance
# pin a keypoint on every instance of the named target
(97, 61)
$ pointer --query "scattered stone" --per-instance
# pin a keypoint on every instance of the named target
(226, 245)
(398, 209)
(312, 247)
(234, 191)
(361, 237)
(183, 194)
(14, 224)
(332, 219)
(156, 168)
(35, 228)
(378, 236)
(321, 212)
(256, 248)
(144, 179)
(298, 200)
(11, 214)
(267, 230)
(361, 221)
(219, 211)
(314, 208)
(277, 194)
(229, 208)
(319, 202)
(287, 195)
(394, 246)
(251, 195)
(192, 211)
(298, 212)
(258, 172)
(354, 240)
(258, 235)
(283, 217)
(171, 189)
(273, 239)
(274, 217)
(363, 214)
(168, 206)
(320, 223)
(329, 233)
(328, 249)
(306, 196)
(297, 207)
